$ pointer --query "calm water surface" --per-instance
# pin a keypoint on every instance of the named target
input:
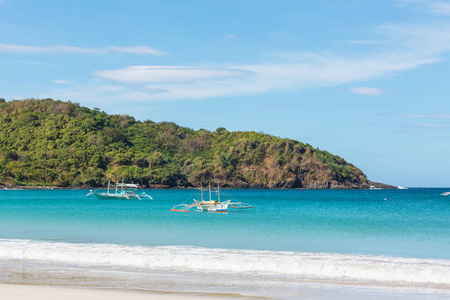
(414, 222)
(291, 241)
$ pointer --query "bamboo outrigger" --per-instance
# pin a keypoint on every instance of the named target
(211, 205)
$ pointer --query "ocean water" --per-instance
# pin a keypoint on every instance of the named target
(294, 244)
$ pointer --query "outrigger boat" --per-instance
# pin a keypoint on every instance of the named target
(120, 191)
(211, 205)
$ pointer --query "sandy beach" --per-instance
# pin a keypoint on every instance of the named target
(37, 292)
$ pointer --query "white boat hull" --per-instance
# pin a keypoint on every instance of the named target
(120, 191)
(113, 196)
(119, 196)
(221, 207)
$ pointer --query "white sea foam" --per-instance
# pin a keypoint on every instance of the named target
(336, 268)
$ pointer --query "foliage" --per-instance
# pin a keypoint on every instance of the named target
(56, 143)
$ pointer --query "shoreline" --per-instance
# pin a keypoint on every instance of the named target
(160, 187)
(45, 292)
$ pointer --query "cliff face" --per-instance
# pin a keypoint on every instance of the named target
(47, 142)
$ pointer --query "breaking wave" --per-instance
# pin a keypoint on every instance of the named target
(362, 269)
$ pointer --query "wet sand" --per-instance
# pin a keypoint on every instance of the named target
(37, 292)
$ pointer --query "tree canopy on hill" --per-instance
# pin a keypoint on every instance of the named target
(56, 143)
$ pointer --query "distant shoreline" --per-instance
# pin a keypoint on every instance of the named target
(43, 187)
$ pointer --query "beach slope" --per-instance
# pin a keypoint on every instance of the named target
(37, 292)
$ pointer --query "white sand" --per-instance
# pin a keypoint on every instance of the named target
(37, 292)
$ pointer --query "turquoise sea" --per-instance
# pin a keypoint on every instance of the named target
(294, 244)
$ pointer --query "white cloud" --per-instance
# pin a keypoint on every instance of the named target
(370, 42)
(168, 83)
(281, 34)
(139, 50)
(437, 121)
(440, 8)
(420, 40)
(182, 83)
(431, 6)
(427, 116)
(275, 106)
(61, 81)
(163, 74)
(407, 46)
(430, 125)
(33, 62)
(366, 91)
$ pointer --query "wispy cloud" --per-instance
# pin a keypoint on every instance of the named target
(430, 6)
(164, 74)
(168, 83)
(440, 7)
(368, 91)
(182, 83)
(409, 46)
(33, 62)
(275, 106)
(370, 42)
(420, 40)
(61, 81)
(281, 34)
(429, 122)
(139, 50)
(430, 125)
(427, 116)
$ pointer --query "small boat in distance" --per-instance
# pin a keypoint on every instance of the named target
(372, 187)
(211, 205)
(402, 188)
(445, 194)
(120, 191)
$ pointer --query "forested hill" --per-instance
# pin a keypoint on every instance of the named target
(55, 143)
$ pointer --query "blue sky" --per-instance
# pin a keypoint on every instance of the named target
(365, 80)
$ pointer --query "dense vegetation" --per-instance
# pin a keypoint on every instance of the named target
(55, 143)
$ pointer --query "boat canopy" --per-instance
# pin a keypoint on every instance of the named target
(128, 185)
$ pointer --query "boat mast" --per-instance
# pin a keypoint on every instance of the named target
(108, 187)
(218, 193)
(201, 191)
(209, 186)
